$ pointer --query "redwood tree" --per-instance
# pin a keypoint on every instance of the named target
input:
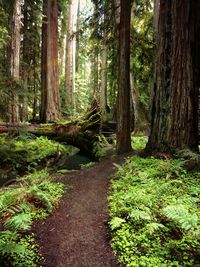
(14, 57)
(175, 101)
(26, 63)
(68, 57)
(123, 120)
(50, 106)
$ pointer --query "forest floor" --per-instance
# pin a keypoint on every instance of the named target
(76, 234)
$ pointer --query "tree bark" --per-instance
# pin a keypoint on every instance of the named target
(174, 123)
(123, 122)
(77, 36)
(68, 57)
(50, 110)
(75, 7)
(156, 15)
(103, 92)
(95, 54)
(14, 58)
(26, 63)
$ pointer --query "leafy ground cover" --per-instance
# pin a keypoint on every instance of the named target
(154, 206)
(34, 197)
(25, 153)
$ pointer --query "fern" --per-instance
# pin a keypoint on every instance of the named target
(22, 221)
(8, 243)
(153, 227)
(42, 197)
(180, 214)
(160, 201)
(140, 215)
(19, 251)
(116, 222)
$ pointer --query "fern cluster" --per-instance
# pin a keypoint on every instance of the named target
(35, 197)
(154, 205)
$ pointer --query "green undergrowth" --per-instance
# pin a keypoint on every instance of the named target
(154, 206)
(26, 152)
(33, 197)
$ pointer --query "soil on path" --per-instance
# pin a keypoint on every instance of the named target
(76, 234)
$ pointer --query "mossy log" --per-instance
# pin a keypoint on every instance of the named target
(81, 133)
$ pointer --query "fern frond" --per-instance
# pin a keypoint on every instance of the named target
(116, 222)
(8, 244)
(42, 197)
(22, 221)
(180, 214)
(138, 215)
(151, 228)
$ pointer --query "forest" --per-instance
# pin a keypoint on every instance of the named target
(99, 133)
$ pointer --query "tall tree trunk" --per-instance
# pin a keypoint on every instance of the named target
(34, 113)
(103, 95)
(75, 7)
(68, 57)
(95, 54)
(14, 58)
(77, 36)
(174, 111)
(61, 61)
(134, 102)
(103, 92)
(26, 62)
(123, 123)
(117, 7)
(156, 15)
(115, 57)
(50, 110)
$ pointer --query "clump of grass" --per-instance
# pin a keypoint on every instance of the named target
(154, 205)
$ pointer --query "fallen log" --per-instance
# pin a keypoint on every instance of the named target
(81, 133)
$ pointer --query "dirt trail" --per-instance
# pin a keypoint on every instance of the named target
(76, 234)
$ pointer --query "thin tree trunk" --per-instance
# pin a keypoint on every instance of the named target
(68, 56)
(14, 59)
(34, 92)
(117, 7)
(115, 58)
(95, 55)
(75, 7)
(123, 123)
(44, 63)
(62, 58)
(103, 92)
(74, 92)
(103, 96)
(26, 62)
(77, 36)
(134, 102)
